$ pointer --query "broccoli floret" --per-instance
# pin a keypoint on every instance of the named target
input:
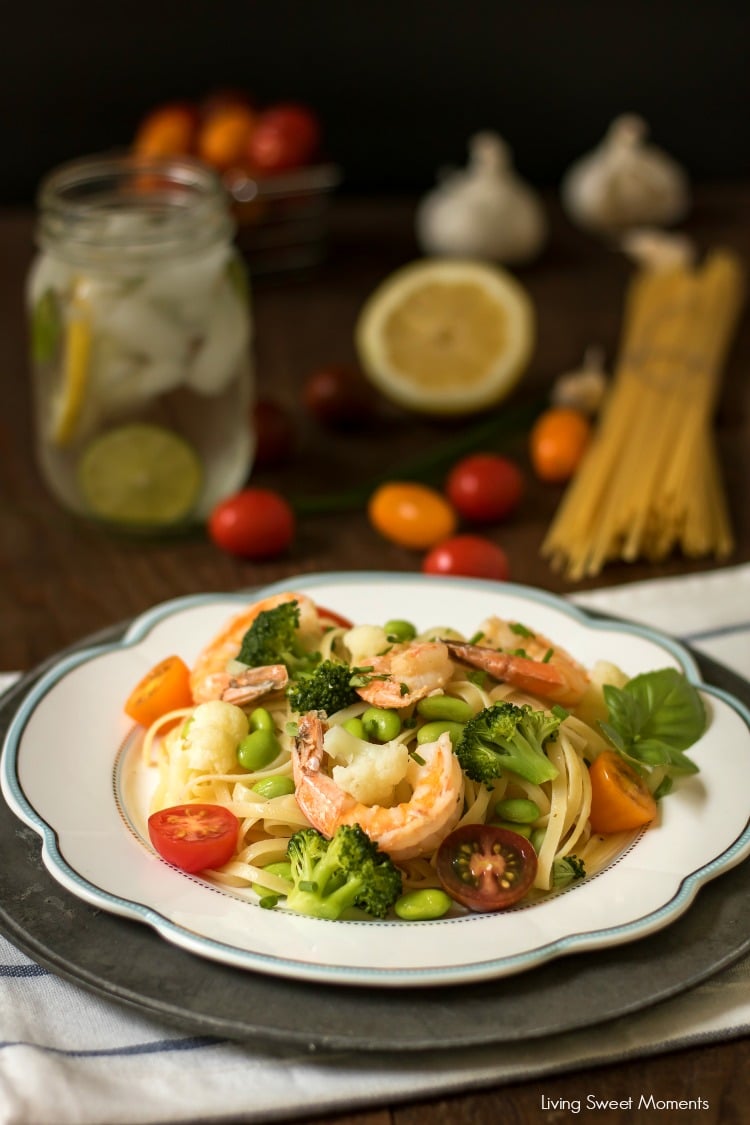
(331, 876)
(272, 639)
(505, 737)
(328, 688)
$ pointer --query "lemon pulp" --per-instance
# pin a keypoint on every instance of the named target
(446, 336)
(140, 475)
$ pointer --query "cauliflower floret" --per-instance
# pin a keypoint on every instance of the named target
(212, 738)
(364, 642)
(369, 773)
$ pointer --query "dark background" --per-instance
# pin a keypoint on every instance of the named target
(400, 86)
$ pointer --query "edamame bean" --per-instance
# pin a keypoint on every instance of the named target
(537, 839)
(354, 726)
(401, 631)
(431, 732)
(276, 786)
(260, 719)
(445, 707)
(513, 826)
(284, 871)
(520, 810)
(423, 906)
(257, 750)
(380, 724)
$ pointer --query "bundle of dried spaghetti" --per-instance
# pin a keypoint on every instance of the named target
(650, 482)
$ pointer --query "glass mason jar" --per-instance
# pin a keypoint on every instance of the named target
(141, 342)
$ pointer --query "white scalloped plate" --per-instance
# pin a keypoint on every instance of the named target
(70, 770)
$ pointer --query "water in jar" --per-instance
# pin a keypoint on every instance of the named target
(141, 357)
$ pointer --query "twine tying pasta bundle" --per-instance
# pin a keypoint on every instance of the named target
(650, 482)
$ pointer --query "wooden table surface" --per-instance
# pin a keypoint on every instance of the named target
(61, 579)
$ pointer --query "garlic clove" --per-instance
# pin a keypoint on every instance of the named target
(584, 388)
(483, 211)
(625, 182)
(658, 250)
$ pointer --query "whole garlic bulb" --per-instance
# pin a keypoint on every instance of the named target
(483, 211)
(625, 182)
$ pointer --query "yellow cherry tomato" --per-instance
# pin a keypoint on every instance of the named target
(559, 438)
(411, 515)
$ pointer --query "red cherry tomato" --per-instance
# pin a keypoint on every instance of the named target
(286, 136)
(274, 434)
(337, 395)
(194, 837)
(329, 616)
(469, 556)
(484, 867)
(254, 524)
(484, 487)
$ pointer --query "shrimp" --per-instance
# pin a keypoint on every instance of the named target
(224, 647)
(406, 674)
(244, 687)
(412, 828)
(530, 662)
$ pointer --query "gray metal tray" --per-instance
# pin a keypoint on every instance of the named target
(128, 962)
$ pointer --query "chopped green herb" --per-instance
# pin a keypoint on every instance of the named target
(416, 757)
(548, 656)
(476, 638)
(521, 630)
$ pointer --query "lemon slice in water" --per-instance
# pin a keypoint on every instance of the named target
(446, 336)
(76, 359)
(140, 476)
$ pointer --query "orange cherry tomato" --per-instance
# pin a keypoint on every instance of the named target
(165, 688)
(558, 441)
(169, 130)
(194, 837)
(225, 135)
(620, 800)
(411, 515)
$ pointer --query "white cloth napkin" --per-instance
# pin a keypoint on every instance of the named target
(72, 1058)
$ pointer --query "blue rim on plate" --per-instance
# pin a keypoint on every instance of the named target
(208, 945)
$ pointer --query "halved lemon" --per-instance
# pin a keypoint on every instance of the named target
(140, 476)
(446, 335)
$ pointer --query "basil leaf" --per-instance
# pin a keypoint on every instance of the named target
(654, 718)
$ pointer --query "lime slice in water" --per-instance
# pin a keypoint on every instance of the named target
(140, 476)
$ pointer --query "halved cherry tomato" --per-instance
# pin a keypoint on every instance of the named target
(411, 515)
(485, 867)
(255, 523)
(620, 800)
(469, 556)
(484, 487)
(166, 687)
(194, 837)
(330, 616)
(559, 438)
